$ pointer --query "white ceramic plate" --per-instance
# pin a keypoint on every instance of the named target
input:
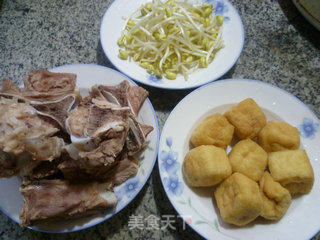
(88, 75)
(233, 35)
(195, 205)
(307, 15)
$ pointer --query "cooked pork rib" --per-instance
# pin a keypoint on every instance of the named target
(146, 129)
(10, 88)
(51, 94)
(48, 200)
(11, 165)
(25, 137)
(117, 172)
(77, 120)
(136, 97)
(136, 139)
(95, 116)
(124, 95)
(57, 110)
(102, 137)
(101, 101)
(45, 169)
(126, 168)
(8, 165)
(95, 163)
(22, 130)
(42, 83)
(101, 121)
(109, 148)
(45, 149)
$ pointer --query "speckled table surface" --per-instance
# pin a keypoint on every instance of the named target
(281, 48)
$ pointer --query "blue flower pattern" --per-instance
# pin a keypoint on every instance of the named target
(153, 78)
(169, 141)
(173, 184)
(220, 8)
(130, 186)
(126, 190)
(170, 165)
(169, 161)
(308, 128)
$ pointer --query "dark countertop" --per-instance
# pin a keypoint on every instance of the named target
(281, 48)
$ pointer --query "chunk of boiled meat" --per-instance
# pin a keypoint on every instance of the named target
(42, 83)
(10, 90)
(25, 139)
(8, 165)
(125, 95)
(98, 137)
(136, 96)
(43, 86)
(103, 120)
(115, 94)
(89, 120)
(136, 139)
(123, 170)
(22, 130)
(57, 110)
(45, 149)
(54, 104)
(11, 165)
(77, 120)
(9, 87)
(49, 200)
(105, 154)
(146, 129)
(45, 169)
(101, 101)
(83, 170)
(95, 163)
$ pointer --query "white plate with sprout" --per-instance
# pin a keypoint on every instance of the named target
(172, 44)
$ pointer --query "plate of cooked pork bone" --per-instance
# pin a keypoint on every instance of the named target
(76, 141)
(244, 164)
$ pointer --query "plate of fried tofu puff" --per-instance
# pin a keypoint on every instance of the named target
(239, 159)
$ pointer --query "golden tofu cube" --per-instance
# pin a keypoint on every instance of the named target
(214, 130)
(248, 158)
(247, 118)
(278, 136)
(206, 165)
(292, 169)
(276, 199)
(239, 199)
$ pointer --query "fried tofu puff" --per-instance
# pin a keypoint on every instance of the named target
(277, 136)
(205, 166)
(276, 199)
(214, 130)
(248, 158)
(247, 118)
(292, 169)
(239, 199)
